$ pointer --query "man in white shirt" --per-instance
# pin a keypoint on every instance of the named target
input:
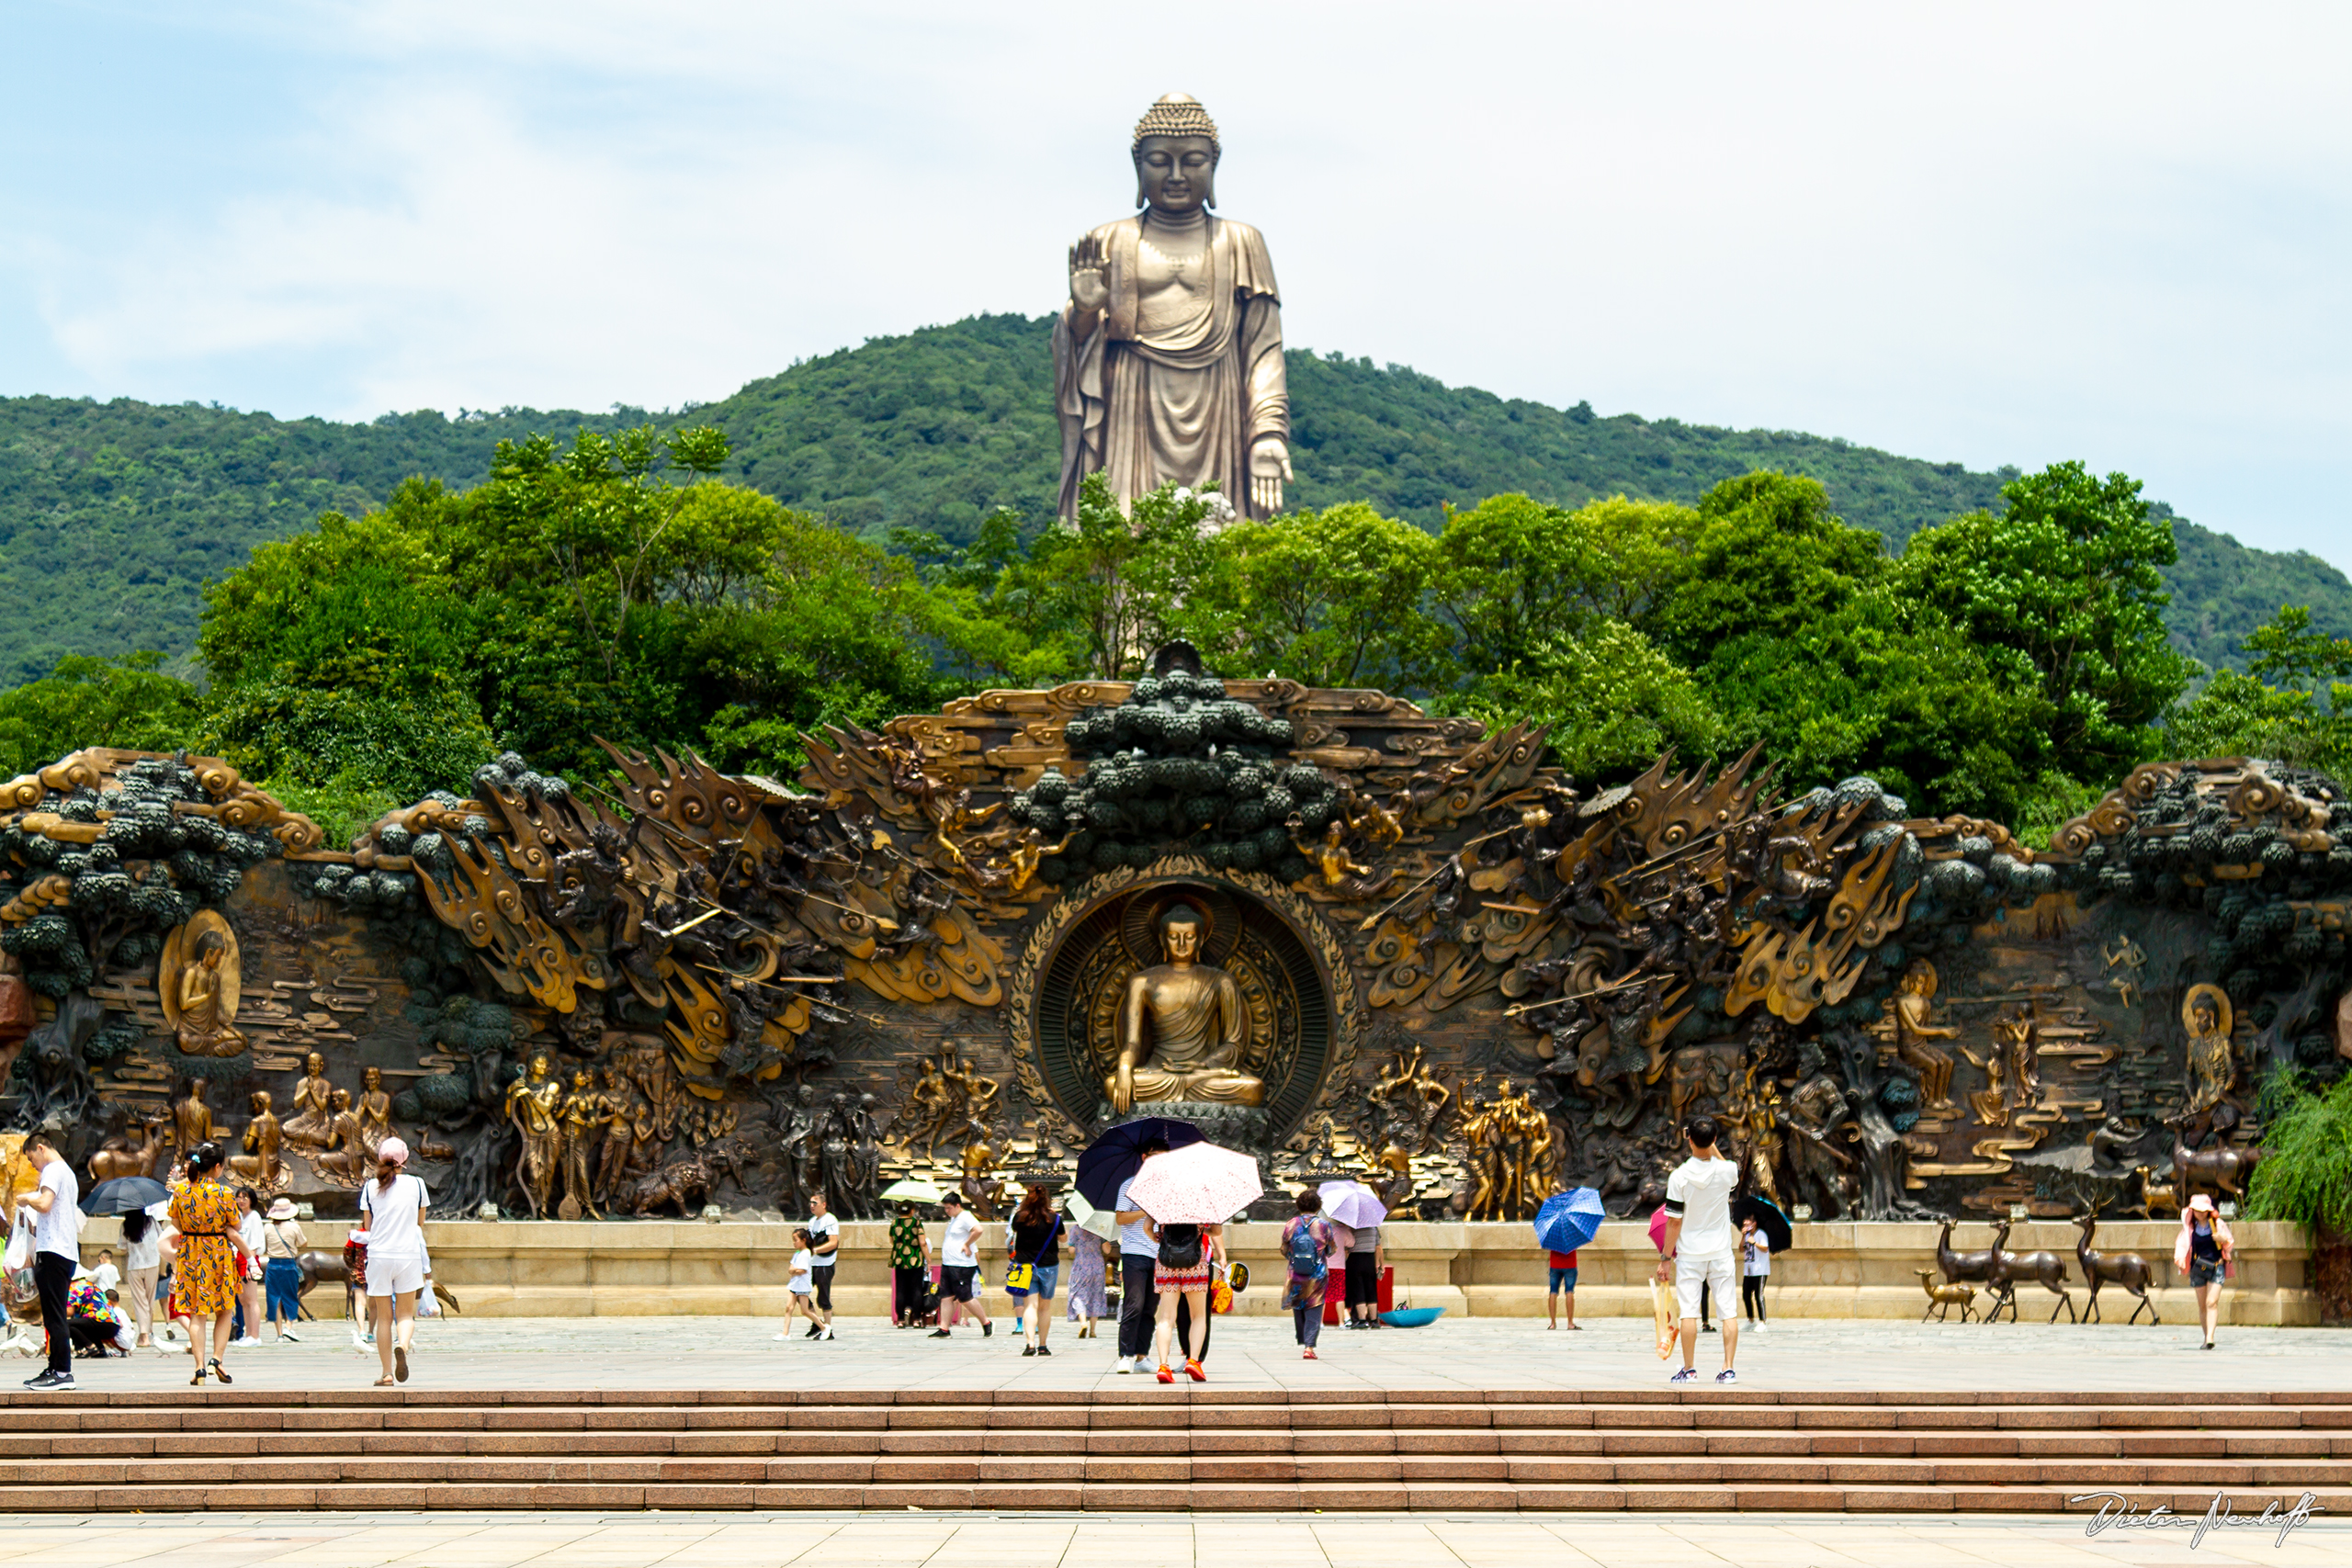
(1138, 1303)
(825, 1234)
(959, 1270)
(1700, 1244)
(57, 1253)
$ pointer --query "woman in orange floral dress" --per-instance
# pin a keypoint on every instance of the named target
(211, 1259)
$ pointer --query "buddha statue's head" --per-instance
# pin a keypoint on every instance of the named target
(1179, 933)
(260, 1103)
(371, 1079)
(314, 1064)
(210, 950)
(1175, 154)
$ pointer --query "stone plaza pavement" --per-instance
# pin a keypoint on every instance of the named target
(919, 1539)
(1471, 1353)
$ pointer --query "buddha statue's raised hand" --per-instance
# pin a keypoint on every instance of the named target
(1090, 275)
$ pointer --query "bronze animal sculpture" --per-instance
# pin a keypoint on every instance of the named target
(329, 1268)
(1945, 1297)
(2127, 1269)
(1959, 1267)
(2045, 1268)
(685, 1183)
(122, 1157)
(2154, 1194)
(2224, 1170)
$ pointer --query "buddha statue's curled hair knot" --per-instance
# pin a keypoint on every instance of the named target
(1178, 114)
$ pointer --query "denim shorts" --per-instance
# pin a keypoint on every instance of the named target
(1043, 1279)
(1564, 1279)
(2203, 1273)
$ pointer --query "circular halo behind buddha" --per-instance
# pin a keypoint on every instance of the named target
(1183, 994)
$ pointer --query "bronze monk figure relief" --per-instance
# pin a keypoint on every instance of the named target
(1182, 1027)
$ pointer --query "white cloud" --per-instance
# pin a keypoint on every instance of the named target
(2002, 233)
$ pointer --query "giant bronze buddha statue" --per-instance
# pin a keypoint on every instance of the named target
(1182, 1028)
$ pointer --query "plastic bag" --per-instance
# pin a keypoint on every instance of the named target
(20, 1242)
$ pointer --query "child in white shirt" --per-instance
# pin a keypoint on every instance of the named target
(801, 1285)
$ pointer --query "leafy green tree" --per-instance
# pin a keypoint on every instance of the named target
(1513, 574)
(1766, 558)
(1333, 598)
(126, 702)
(1611, 700)
(2065, 593)
(2269, 711)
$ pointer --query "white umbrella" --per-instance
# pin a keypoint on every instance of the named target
(912, 1189)
(1092, 1220)
(1199, 1184)
(1352, 1204)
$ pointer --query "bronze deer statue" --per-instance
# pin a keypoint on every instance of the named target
(1945, 1297)
(2126, 1269)
(2046, 1268)
(1959, 1267)
(2156, 1195)
(2224, 1170)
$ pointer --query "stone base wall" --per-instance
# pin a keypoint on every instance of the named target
(667, 1268)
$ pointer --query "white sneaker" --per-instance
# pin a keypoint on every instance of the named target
(1122, 1366)
(248, 1343)
(1758, 1327)
(1727, 1375)
(1687, 1374)
(829, 1332)
(289, 1337)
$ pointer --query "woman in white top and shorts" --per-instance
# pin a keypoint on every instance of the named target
(392, 1208)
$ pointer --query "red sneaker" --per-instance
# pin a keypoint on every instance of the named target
(1309, 1355)
(1165, 1375)
(1192, 1371)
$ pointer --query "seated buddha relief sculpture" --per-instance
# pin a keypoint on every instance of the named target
(206, 1001)
(1182, 1027)
(374, 1108)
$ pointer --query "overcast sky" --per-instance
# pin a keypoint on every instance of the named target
(1995, 233)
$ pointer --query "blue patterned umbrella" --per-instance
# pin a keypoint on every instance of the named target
(1568, 1220)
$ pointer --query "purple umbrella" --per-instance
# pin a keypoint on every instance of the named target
(1352, 1204)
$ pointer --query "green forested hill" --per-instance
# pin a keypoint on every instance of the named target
(112, 515)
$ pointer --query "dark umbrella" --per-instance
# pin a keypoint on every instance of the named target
(124, 1194)
(1118, 1154)
(1768, 1219)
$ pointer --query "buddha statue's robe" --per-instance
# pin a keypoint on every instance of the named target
(1182, 372)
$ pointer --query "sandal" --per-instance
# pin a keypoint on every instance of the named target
(400, 1363)
(384, 1382)
(221, 1372)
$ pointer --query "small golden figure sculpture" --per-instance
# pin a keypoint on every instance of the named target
(2213, 1066)
(1028, 851)
(2126, 958)
(533, 1104)
(346, 1157)
(1339, 870)
(259, 1166)
(374, 1108)
(1908, 1011)
(191, 1118)
(585, 1113)
(207, 1001)
(1183, 1026)
(313, 1112)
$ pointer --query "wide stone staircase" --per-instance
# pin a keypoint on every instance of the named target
(1191, 1447)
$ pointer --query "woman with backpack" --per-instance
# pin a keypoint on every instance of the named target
(1180, 1274)
(1308, 1245)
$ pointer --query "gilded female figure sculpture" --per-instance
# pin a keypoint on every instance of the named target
(309, 1126)
(584, 1114)
(1182, 1028)
(533, 1102)
(1168, 358)
(205, 1001)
